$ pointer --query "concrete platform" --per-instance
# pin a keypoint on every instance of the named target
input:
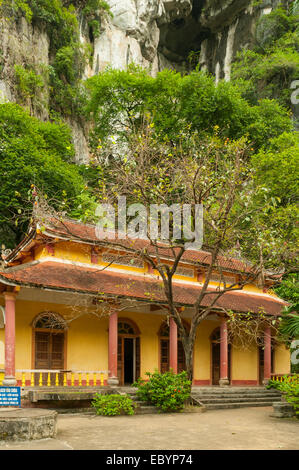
(239, 429)
(24, 424)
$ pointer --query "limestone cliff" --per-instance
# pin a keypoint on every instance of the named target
(152, 33)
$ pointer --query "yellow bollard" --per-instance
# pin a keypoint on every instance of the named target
(94, 379)
(40, 379)
(56, 380)
(102, 379)
(49, 380)
(32, 379)
(87, 380)
(23, 379)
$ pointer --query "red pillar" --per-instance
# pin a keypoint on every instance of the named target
(112, 349)
(267, 355)
(223, 354)
(173, 346)
(10, 338)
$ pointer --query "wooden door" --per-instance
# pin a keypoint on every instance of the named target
(261, 365)
(164, 356)
(181, 357)
(120, 360)
(215, 363)
(49, 351)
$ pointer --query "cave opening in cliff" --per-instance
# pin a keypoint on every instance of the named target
(183, 36)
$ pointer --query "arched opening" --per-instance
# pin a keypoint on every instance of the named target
(49, 340)
(163, 335)
(128, 351)
(215, 357)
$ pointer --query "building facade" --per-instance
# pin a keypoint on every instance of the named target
(75, 312)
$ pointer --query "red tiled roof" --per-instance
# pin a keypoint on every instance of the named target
(87, 233)
(64, 276)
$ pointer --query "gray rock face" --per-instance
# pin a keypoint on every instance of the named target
(162, 33)
(155, 34)
(21, 44)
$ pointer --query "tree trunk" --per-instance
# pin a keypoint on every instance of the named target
(188, 349)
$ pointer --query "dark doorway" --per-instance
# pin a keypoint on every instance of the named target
(215, 363)
(128, 354)
(262, 364)
(129, 362)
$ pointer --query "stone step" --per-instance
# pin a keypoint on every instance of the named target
(235, 391)
(219, 406)
(142, 410)
(141, 403)
(236, 397)
(240, 400)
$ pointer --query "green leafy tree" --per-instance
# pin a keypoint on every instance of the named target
(33, 152)
(192, 169)
(119, 99)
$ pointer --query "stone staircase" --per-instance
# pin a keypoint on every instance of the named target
(215, 398)
(142, 407)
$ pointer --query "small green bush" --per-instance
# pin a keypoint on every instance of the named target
(167, 391)
(113, 405)
(289, 386)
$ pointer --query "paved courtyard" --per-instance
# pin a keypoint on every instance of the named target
(236, 429)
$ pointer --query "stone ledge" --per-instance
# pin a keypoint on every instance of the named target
(283, 410)
(27, 424)
(35, 396)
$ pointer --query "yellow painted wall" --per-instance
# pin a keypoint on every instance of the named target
(87, 337)
(244, 363)
(87, 344)
(282, 363)
(73, 251)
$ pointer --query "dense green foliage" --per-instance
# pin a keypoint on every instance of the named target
(113, 405)
(289, 323)
(274, 205)
(289, 386)
(267, 70)
(32, 152)
(168, 391)
(289, 289)
(174, 101)
(182, 106)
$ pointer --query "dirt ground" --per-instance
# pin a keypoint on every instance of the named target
(236, 429)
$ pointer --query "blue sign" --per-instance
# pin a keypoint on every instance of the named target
(10, 396)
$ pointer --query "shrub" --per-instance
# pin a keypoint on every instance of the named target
(289, 386)
(113, 405)
(167, 391)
